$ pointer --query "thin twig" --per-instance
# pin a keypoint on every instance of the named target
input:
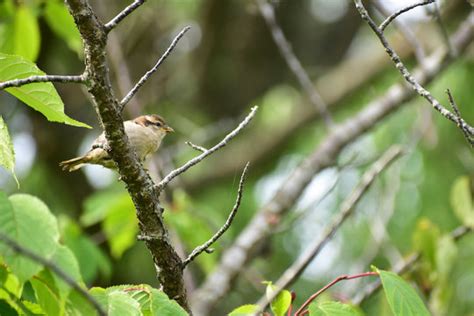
(392, 17)
(407, 75)
(148, 74)
(199, 158)
(456, 111)
(301, 310)
(204, 247)
(405, 266)
(196, 147)
(347, 208)
(267, 12)
(41, 78)
(122, 15)
(406, 32)
(258, 231)
(12, 244)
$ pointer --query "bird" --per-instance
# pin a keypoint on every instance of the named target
(145, 134)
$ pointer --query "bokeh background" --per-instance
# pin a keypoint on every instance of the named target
(225, 64)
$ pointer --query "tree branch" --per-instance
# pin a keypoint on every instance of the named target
(456, 111)
(170, 176)
(392, 17)
(267, 12)
(406, 74)
(198, 250)
(139, 184)
(122, 15)
(259, 230)
(347, 208)
(12, 244)
(42, 78)
(148, 74)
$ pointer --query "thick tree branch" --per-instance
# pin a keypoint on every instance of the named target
(55, 269)
(405, 72)
(204, 247)
(259, 230)
(173, 174)
(122, 15)
(347, 208)
(139, 184)
(148, 74)
(44, 78)
(267, 12)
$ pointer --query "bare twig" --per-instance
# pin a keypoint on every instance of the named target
(301, 310)
(148, 74)
(406, 32)
(259, 229)
(393, 16)
(122, 15)
(405, 266)
(267, 12)
(12, 244)
(205, 247)
(196, 147)
(407, 75)
(347, 208)
(467, 136)
(41, 78)
(170, 176)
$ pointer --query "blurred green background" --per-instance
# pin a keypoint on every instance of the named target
(224, 65)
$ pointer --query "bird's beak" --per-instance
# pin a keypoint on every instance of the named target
(168, 129)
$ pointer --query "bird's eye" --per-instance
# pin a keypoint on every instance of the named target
(158, 124)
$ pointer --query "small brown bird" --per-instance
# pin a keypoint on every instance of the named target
(144, 133)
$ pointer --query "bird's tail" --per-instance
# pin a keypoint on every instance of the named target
(74, 164)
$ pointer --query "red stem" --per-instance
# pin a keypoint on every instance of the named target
(301, 311)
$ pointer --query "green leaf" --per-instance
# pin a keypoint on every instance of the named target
(77, 305)
(7, 153)
(331, 308)
(121, 304)
(425, 240)
(47, 294)
(6, 309)
(402, 298)
(161, 305)
(461, 201)
(66, 261)
(61, 22)
(281, 303)
(41, 96)
(27, 35)
(28, 221)
(91, 258)
(120, 225)
(244, 310)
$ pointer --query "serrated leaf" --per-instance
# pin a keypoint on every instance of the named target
(244, 310)
(461, 201)
(332, 308)
(91, 258)
(120, 225)
(7, 153)
(28, 221)
(120, 304)
(62, 23)
(66, 261)
(402, 298)
(27, 36)
(47, 294)
(161, 305)
(41, 96)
